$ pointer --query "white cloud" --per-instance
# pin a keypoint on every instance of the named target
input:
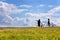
(44, 16)
(41, 5)
(25, 6)
(33, 17)
(50, 6)
(9, 8)
(6, 9)
(20, 19)
(8, 19)
(52, 11)
(54, 16)
(44, 5)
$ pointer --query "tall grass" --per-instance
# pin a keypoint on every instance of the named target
(48, 33)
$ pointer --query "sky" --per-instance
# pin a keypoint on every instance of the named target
(24, 13)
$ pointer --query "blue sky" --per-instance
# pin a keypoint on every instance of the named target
(25, 12)
(33, 2)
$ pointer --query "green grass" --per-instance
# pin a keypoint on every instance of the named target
(48, 33)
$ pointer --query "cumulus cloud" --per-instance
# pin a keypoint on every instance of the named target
(33, 17)
(36, 15)
(6, 9)
(9, 8)
(44, 16)
(55, 15)
(29, 18)
(54, 10)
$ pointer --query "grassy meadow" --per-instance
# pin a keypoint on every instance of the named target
(32, 33)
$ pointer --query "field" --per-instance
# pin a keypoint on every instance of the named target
(32, 33)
